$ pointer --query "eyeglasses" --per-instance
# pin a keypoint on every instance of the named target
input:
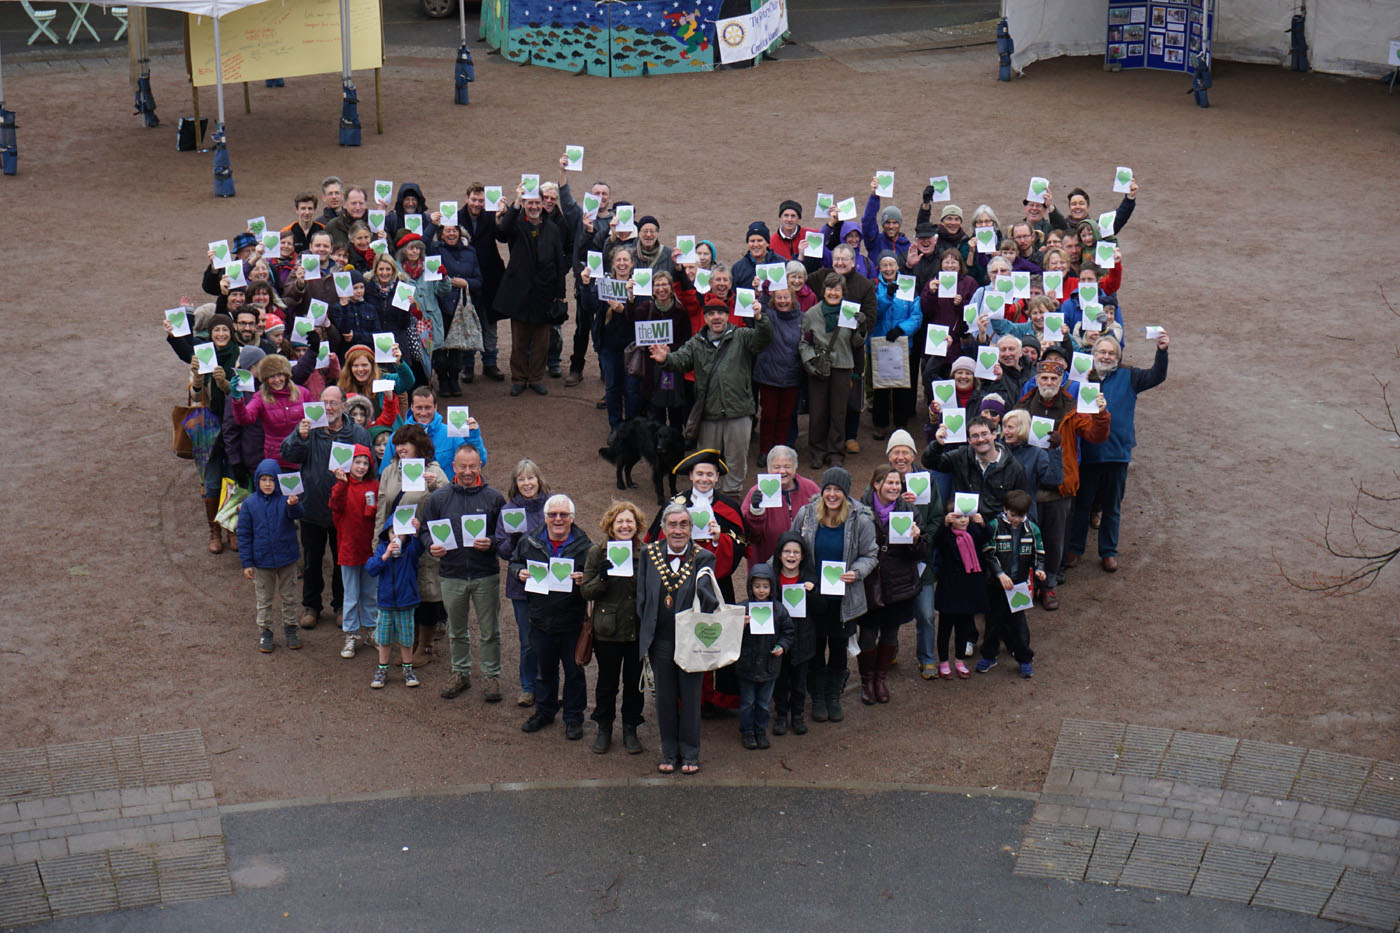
(558, 514)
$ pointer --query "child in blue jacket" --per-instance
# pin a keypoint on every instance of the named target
(395, 563)
(267, 545)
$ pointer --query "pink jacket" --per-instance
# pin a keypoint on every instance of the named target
(765, 530)
(278, 419)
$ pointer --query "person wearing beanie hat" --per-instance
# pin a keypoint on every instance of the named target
(379, 439)
(880, 227)
(788, 240)
(950, 211)
(273, 325)
(895, 317)
(761, 656)
(353, 503)
(837, 530)
(759, 252)
(903, 455)
(992, 407)
(893, 586)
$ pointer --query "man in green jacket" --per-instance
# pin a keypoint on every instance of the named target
(722, 357)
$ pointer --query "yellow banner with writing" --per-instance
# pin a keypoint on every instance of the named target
(284, 39)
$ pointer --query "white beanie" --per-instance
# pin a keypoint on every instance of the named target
(900, 438)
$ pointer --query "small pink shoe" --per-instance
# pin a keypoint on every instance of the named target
(944, 671)
(961, 668)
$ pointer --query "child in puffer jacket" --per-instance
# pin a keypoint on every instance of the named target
(267, 545)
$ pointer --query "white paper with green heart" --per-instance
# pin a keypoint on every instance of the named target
(457, 417)
(538, 579)
(234, 271)
(1019, 597)
(944, 392)
(795, 600)
(344, 288)
(1005, 285)
(531, 184)
(432, 268)
(641, 282)
(382, 385)
(626, 217)
(921, 485)
(700, 524)
(770, 488)
(846, 317)
(223, 255)
(986, 360)
(1080, 366)
(492, 193)
(315, 413)
(403, 519)
(620, 557)
(301, 326)
(1050, 332)
(966, 503)
(1103, 255)
(1053, 283)
(318, 311)
(846, 210)
(1020, 284)
(1037, 188)
(813, 244)
(774, 273)
(383, 191)
(559, 570)
(831, 582)
(440, 531)
(941, 189)
(1088, 398)
(970, 313)
(179, 322)
(955, 420)
(595, 263)
(1093, 317)
(994, 306)
(702, 281)
(403, 296)
(825, 202)
(1122, 180)
(448, 210)
(272, 243)
(379, 247)
(207, 357)
(574, 155)
(986, 239)
(1106, 220)
(323, 356)
(384, 348)
(341, 457)
(413, 223)
(948, 284)
(761, 621)
(310, 266)
(884, 184)
(1087, 293)
(257, 226)
(474, 528)
(514, 519)
(243, 380)
(1041, 429)
(745, 302)
(904, 287)
(685, 245)
(289, 484)
(901, 528)
(1153, 332)
(936, 340)
(414, 470)
(377, 219)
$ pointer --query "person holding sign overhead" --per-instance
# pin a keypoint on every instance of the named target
(830, 350)
(610, 582)
(670, 394)
(533, 283)
(613, 332)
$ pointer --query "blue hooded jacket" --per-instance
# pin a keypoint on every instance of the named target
(267, 528)
(398, 576)
(444, 447)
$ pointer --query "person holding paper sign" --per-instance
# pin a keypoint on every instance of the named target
(670, 394)
(902, 455)
(267, 548)
(1078, 202)
(583, 226)
(532, 289)
(361, 373)
(556, 618)
(395, 563)
(275, 408)
(982, 465)
(298, 292)
(829, 354)
(1013, 555)
(796, 586)
(354, 502)
(410, 200)
(615, 625)
(777, 370)
(355, 207)
(423, 410)
(745, 268)
(1043, 466)
(787, 241)
(895, 317)
(946, 310)
(891, 588)
(1027, 256)
(836, 528)
(243, 249)
(765, 525)
(462, 270)
(427, 293)
(842, 233)
(309, 449)
(613, 332)
(886, 235)
(522, 515)
(479, 225)
(214, 387)
(1104, 468)
(768, 635)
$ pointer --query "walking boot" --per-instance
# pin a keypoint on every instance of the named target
(211, 508)
(761, 737)
(866, 662)
(799, 725)
(834, 686)
(883, 655)
(630, 743)
(816, 686)
(604, 740)
(780, 723)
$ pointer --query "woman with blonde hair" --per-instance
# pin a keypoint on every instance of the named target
(615, 626)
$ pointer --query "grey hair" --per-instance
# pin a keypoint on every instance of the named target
(1013, 337)
(985, 210)
(331, 180)
(674, 508)
(844, 250)
(559, 499)
(1118, 350)
(778, 452)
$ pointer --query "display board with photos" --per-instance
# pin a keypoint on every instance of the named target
(1165, 36)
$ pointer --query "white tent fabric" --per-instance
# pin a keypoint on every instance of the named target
(1348, 37)
(197, 7)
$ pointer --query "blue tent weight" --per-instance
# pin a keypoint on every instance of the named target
(1298, 42)
(9, 145)
(223, 171)
(1005, 48)
(1201, 82)
(350, 117)
(145, 100)
(465, 73)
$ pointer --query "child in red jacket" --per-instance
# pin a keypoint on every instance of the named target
(353, 502)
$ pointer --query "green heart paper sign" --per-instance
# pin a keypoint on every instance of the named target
(1041, 428)
(1038, 185)
(385, 342)
(945, 393)
(918, 485)
(970, 315)
(382, 190)
(220, 251)
(477, 526)
(376, 219)
(948, 281)
(619, 554)
(404, 514)
(323, 355)
(530, 183)
(1125, 175)
(205, 354)
(413, 223)
(433, 264)
(1004, 285)
(595, 263)
(440, 532)
(413, 471)
(825, 202)
(812, 243)
(769, 487)
(965, 502)
(290, 481)
(1052, 282)
(955, 423)
(314, 411)
(303, 325)
(559, 571)
(1053, 322)
(575, 154)
(940, 185)
(901, 524)
(458, 418)
(1088, 393)
(513, 518)
(257, 225)
(493, 197)
(885, 182)
(342, 456)
(700, 518)
(310, 262)
(641, 277)
(1019, 601)
(708, 632)
(986, 236)
(793, 596)
(993, 303)
(625, 213)
(448, 210)
(537, 572)
(761, 615)
(702, 280)
(591, 203)
(832, 574)
(987, 356)
(1082, 362)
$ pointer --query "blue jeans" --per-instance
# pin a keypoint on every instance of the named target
(529, 669)
(754, 698)
(623, 392)
(361, 608)
(923, 625)
(1105, 483)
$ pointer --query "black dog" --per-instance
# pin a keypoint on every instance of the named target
(638, 439)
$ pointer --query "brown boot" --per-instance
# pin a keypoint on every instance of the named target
(422, 645)
(884, 654)
(866, 662)
(211, 508)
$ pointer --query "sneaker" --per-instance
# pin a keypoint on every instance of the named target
(1026, 669)
(961, 669)
(491, 690)
(293, 639)
(381, 677)
(945, 671)
(265, 643)
(572, 379)
(536, 722)
(410, 679)
(985, 664)
(456, 684)
(852, 446)
(348, 651)
(928, 671)
(526, 699)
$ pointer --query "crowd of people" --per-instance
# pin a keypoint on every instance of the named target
(323, 368)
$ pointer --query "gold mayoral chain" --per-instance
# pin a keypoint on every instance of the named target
(671, 580)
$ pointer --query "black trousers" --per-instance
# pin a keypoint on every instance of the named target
(959, 625)
(791, 690)
(1003, 625)
(677, 704)
(554, 650)
(617, 660)
(314, 541)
